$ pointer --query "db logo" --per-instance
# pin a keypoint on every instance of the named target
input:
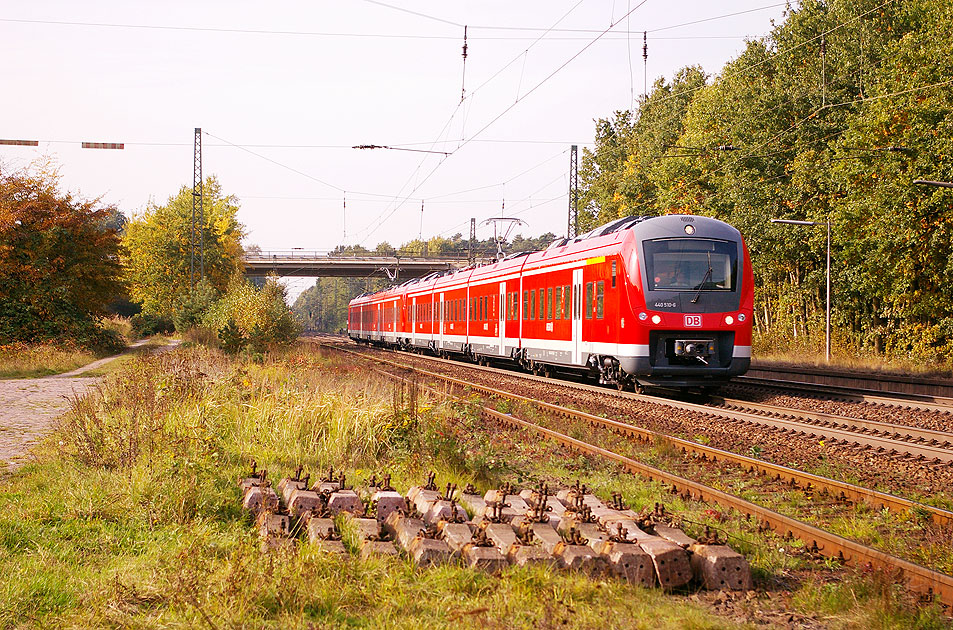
(693, 321)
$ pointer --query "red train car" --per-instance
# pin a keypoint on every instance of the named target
(664, 301)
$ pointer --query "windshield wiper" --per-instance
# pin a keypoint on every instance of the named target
(705, 279)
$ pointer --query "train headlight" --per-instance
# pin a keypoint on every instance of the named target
(729, 320)
(656, 319)
(689, 229)
(741, 317)
(643, 317)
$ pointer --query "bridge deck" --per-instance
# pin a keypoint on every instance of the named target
(328, 265)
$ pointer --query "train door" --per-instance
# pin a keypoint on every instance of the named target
(380, 321)
(577, 316)
(440, 312)
(501, 317)
(396, 316)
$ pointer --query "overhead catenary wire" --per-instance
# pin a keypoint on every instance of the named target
(508, 109)
(582, 32)
(381, 218)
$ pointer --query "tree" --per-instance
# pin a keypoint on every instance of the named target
(59, 266)
(157, 252)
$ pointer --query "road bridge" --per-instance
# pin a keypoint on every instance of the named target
(330, 264)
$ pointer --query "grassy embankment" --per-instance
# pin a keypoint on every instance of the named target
(21, 360)
(130, 516)
(766, 350)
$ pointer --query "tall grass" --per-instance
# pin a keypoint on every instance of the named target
(21, 360)
(129, 516)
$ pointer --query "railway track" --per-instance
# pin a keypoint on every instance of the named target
(918, 578)
(923, 402)
(934, 447)
(873, 383)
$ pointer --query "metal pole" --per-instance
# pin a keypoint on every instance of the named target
(572, 226)
(828, 290)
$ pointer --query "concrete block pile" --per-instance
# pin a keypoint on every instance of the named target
(572, 529)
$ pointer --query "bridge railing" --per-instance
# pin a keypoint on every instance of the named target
(316, 254)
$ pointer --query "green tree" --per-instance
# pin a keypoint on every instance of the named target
(157, 252)
(59, 264)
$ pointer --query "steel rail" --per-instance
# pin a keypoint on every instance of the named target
(843, 490)
(888, 444)
(924, 444)
(881, 383)
(897, 431)
(918, 578)
(922, 402)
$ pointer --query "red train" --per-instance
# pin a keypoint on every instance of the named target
(662, 301)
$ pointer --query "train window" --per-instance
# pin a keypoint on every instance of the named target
(566, 304)
(600, 295)
(549, 303)
(588, 310)
(613, 274)
(532, 304)
(559, 303)
(691, 264)
(525, 304)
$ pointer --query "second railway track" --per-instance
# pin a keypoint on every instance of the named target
(827, 543)
(930, 446)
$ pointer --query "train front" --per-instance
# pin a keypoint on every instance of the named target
(692, 295)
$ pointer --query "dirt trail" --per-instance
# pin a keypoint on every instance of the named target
(29, 406)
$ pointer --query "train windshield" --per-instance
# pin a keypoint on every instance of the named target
(691, 264)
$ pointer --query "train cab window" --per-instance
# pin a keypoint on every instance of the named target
(600, 296)
(613, 274)
(588, 310)
(691, 264)
(559, 303)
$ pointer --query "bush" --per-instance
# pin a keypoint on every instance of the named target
(249, 316)
(232, 339)
(195, 306)
(145, 324)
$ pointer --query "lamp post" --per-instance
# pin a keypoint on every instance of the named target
(828, 224)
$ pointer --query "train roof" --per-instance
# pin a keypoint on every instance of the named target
(647, 227)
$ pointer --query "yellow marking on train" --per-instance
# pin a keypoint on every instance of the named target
(596, 260)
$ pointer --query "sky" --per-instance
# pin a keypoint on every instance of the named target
(283, 90)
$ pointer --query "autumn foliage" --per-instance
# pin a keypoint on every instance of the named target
(59, 262)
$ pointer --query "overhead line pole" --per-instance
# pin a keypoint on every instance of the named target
(197, 201)
(572, 227)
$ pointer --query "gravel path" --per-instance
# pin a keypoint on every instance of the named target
(30, 406)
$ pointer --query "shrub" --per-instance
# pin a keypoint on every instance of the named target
(145, 324)
(194, 307)
(232, 339)
(261, 317)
